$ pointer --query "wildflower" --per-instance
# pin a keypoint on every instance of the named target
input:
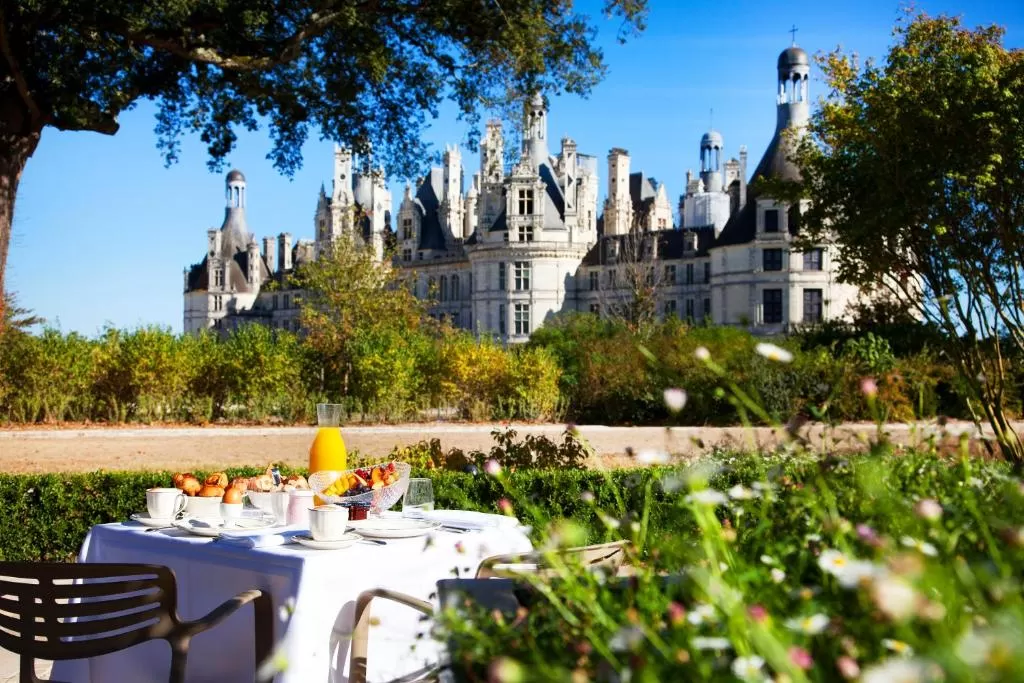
(587, 497)
(741, 492)
(747, 668)
(707, 497)
(274, 664)
(757, 612)
(702, 613)
(896, 598)
(848, 572)
(505, 505)
(676, 613)
(768, 560)
(868, 535)
(848, 668)
(505, 670)
(650, 456)
(869, 387)
(897, 646)
(800, 657)
(813, 538)
(921, 546)
(492, 468)
(704, 643)
(778, 576)
(812, 625)
(702, 354)
(984, 646)
(675, 400)
(627, 638)
(773, 352)
(898, 671)
(460, 548)
(931, 611)
(286, 609)
(928, 509)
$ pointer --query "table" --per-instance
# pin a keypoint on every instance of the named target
(314, 595)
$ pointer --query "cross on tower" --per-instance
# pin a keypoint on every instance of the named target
(793, 31)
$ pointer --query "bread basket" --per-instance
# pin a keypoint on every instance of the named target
(377, 500)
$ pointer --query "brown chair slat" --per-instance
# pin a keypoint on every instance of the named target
(72, 591)
(97, 608)
(12, 623)
(82, 649)
(100, 627)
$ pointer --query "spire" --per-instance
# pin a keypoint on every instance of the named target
(234, 211)
(535, 131)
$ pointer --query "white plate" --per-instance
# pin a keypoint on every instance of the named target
(392, 527)
(144, 519)
(212, 527)
(343, 542)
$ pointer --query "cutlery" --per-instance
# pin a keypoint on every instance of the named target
(373, 541)
(454, 529)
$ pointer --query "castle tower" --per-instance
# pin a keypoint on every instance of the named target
(234, 211)
(793, 107)
(535, 131)
(618, 207)
(711, 145)
(452, 204)
(492, 154)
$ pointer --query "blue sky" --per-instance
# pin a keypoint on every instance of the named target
(102, 229)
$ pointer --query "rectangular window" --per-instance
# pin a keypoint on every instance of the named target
(813, 306)
(501, 276)
(689, 309)
(707, 308)
(611, 278)
(689, 273)
(501, 318)
(772, 259)
(407, 255)
(218, 303)
(218, 278)
(670, 307)
(594, 280)
(771, 220)
(707, 272)
(287, 301)
(406, 228)
(275, 302)
(595, 309)
(522, 275)
(812, 259)
(662, 224)
(772, 299)
(670, 275)
(525, 202)
(525, 233)
(522, 319)
(649, 278)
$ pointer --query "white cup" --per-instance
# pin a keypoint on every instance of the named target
(300, 502)
(327, 522)
(164, 503)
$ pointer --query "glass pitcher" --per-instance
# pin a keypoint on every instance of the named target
(328, 449)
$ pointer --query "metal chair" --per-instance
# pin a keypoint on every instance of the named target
(494, 592)
(55, 611)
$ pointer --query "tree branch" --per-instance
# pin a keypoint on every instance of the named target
(19, 79)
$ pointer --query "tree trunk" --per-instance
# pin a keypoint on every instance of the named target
(15, 151)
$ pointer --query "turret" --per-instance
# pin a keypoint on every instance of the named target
(492, 154)
(252, 252)
(342, 193)
(535, 131)
(618, 208)
(711, 145)
(793, 108)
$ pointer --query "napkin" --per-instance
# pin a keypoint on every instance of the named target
(261, 538)
(467, 519)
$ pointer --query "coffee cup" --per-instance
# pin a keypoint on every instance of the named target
(327, 522)
(164, 503)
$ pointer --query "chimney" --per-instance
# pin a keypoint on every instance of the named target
(268, 254)
(252, 252)
(284, 249)
(743, 175)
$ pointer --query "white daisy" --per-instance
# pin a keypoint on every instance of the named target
(675, 400)
(650, 456)
(922, 547)
(704, 643)
(812, 625)
(897, 646)
(702, 354)
(897, 671)
(741, 492)
(896, 598)
(702, 613)
(747, 668)
(773, 352)
(707, 497)
(778, 576)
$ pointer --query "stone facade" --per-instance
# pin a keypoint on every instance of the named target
(527, 241)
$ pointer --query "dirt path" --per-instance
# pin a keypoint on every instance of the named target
(182, 448)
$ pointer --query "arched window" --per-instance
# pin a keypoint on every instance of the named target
(444, 288)
(455, 288)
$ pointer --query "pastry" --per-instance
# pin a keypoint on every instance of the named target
(179, 480)
(296, 481)
(232, 495)
(217, 479)
(211, 491)
(240, 483)
(190, 486)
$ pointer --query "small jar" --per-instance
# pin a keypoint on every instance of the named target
(357, 512)
(299, 503)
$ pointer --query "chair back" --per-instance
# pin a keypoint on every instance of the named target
(608, 556)
(73, 611)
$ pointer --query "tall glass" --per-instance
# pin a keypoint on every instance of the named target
(419, 497)
(328, 449)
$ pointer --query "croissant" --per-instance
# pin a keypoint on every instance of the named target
(179, 479)
(211, 491)
(297, 481)
(190, 486)
(217, 479)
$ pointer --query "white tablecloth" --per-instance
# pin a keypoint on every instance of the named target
(322, 586)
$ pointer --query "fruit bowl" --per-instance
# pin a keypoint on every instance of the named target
(378, 487)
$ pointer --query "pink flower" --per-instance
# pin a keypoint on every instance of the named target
(869, 387)
(757, 612)
(505, 505)
(848, 668)
(929, 509)
(676, 613)
(459, 548)
(868, 535)
(492, 467)
(801, 657)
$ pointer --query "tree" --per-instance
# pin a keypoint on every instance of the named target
(350, 297)
(366, 73)
(634, 278)
(916, 168)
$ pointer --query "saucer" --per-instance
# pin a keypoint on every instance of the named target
(144, 519)
(343, 542)
(211, 527)
(393, 527)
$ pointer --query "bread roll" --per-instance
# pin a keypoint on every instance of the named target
(240, 483)
(297, 481)
(210, 491)
(217, 479)
(179, 480)
(190, 486)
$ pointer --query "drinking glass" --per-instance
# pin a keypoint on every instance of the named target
(419, 497)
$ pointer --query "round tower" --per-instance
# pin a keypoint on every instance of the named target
(794, 69)
(535, 128)
(235, 189)
(711, 145)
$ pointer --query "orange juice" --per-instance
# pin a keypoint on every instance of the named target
(327, 453)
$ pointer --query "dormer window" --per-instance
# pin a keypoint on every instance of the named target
(525, 202)
(771, 220)
(406, 228)
(525, 233)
